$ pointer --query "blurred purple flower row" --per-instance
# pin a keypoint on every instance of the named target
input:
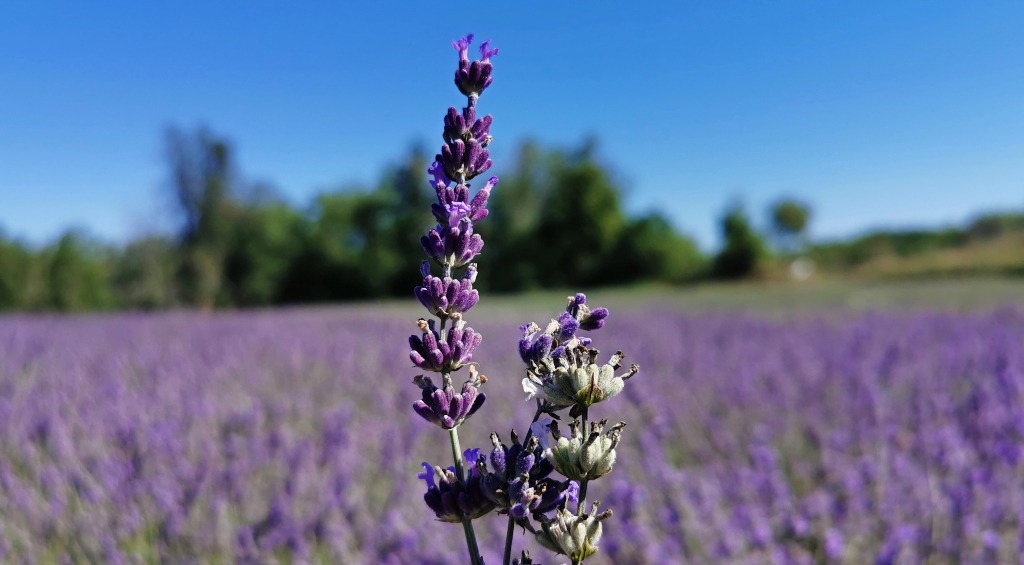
(248, 437)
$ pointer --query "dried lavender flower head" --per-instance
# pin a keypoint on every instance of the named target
(572, 535)
(575, 379)
(584, 456)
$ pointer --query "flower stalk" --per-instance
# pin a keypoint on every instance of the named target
(562, 371)
(467, 522)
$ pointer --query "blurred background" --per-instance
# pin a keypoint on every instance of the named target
(807, 220)
(236, 155)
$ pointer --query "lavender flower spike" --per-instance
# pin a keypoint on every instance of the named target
(519, 483)
(443, 406)
(452, 244)
(473, 78)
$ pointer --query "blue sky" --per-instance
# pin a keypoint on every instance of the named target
(878, 113)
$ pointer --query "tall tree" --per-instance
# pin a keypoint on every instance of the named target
(15, 264)
(77, 275)
(580, 223)
(511, 227)
(652, 250)
(789, 223)
(744, 249)
(201, 175)
(143, 276)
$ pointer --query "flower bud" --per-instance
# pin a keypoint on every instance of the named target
(445, 407)
(473, 78)
(453, 500)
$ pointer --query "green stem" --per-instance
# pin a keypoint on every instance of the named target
(467, 524)
(581, 507)
(511, 532)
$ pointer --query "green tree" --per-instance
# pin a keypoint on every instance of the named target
(360, 243)
(202, 179)
(510, 230)
(77, 275)
(266, 239)
(744, 248)
(789, 223)
(404, 215)
(327, 264)
(144, 274)
(652, 250)
(580, 223)
(15, 265)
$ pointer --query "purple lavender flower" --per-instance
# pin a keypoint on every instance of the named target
(473, 78)
(446, 297)
(453, 246)
(431, 353)
(464, 159)
(588, 319)
(538, 345)
(519, 484)
(453, 500)
(443, 406)
(452, 200)
(466, 125)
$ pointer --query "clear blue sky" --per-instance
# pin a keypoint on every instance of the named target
(878, 113)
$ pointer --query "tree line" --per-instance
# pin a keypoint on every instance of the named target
(557, 221)
(240, 245)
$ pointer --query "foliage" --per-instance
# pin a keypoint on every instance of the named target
(789, 219)
(241, 245)
(744, 248)
(203, 179)
(561, 223)
(650, 249)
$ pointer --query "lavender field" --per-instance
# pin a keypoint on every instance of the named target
(841, 437)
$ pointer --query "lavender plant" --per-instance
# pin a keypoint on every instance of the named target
(249, 437)
(561, 368)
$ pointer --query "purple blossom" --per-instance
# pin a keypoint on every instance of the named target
(129, 410)
(431, 353)
(519, 481)
(473, 78)
(455, 246)
(486, 52)
(464, 159)
(453, 500)
(465, 126)
(445, 407)
(447, 297)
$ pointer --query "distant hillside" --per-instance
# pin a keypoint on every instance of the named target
(990, 244)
